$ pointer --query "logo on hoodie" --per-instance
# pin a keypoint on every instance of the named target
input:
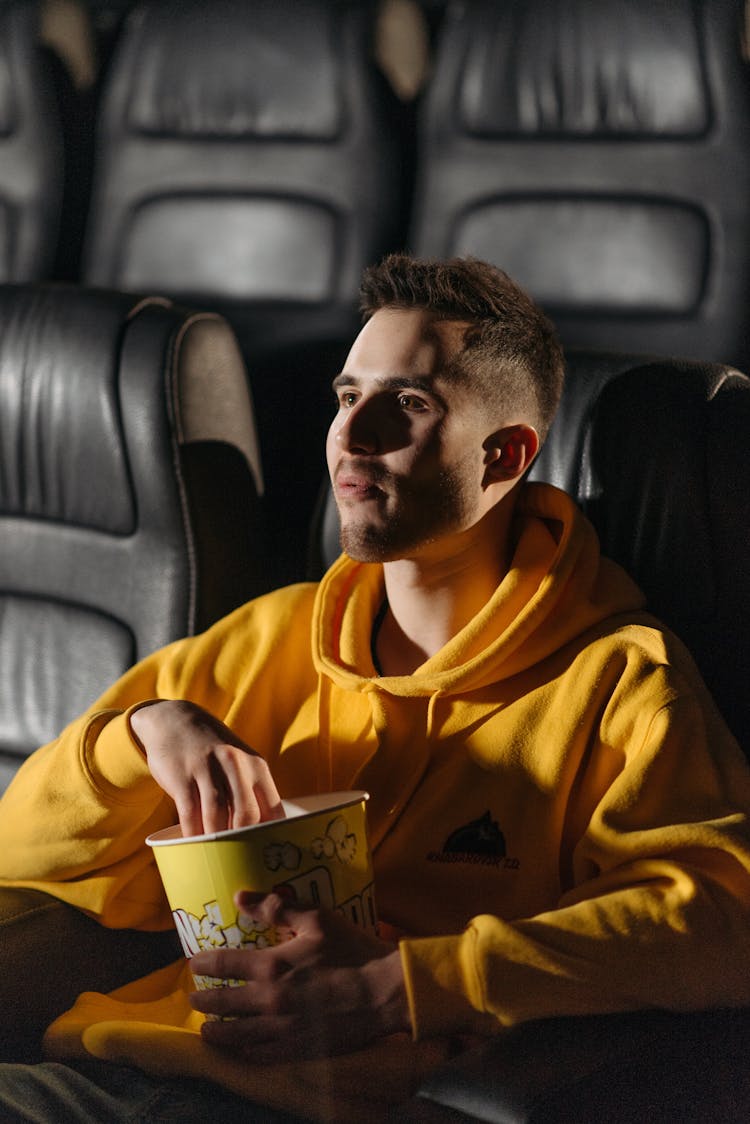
(480, 842)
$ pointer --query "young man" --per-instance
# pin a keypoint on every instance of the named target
(558, 813)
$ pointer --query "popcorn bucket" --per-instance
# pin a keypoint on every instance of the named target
(318, 855)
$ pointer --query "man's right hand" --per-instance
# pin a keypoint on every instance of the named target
(215, 780)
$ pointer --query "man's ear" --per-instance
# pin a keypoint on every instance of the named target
(509, 452)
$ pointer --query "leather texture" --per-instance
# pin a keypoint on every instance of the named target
(249, 159)
(599, 154)
(31, 149)
(654, 451)
(655, 456)
(635, 1068)
(128, 494)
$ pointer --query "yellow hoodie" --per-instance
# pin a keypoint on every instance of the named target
(558, 814)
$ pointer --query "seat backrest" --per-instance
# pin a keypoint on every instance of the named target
(598, 152)
(655, 452)
(31, 148)
(243, 151)
(656, 455)
(247, 157)
(128, 494)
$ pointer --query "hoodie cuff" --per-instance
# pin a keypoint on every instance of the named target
(115, 758)
(442, 987)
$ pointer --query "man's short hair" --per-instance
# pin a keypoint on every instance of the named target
(511, 354)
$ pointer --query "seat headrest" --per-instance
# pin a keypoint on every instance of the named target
(579, 69)
(193, 81)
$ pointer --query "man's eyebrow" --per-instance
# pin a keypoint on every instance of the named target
(342, 379)
(391, 382)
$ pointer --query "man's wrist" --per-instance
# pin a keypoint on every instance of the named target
(134, 727)
(388, 991)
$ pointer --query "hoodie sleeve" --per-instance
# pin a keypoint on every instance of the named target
(74, 819)
(658, 913)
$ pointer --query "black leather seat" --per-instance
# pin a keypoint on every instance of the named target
(31, 148)
(599, 153)
(636, 1068)
(248, 158)
(656, 456)
(128, 494)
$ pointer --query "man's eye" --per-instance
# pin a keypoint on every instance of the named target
(411, 402)
(347, 398)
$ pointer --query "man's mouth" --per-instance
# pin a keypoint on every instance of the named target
(350, 485)
(355, 483)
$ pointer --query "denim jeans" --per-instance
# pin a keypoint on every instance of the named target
(101, 1093)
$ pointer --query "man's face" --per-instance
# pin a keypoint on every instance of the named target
(405, 448)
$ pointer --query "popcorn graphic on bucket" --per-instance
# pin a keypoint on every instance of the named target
(317, 855)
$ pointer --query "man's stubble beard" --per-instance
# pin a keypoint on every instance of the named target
(424, 519)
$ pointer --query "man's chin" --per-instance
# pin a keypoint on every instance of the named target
(364, 544)
(365, 552)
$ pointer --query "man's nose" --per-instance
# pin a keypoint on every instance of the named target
(359, 431)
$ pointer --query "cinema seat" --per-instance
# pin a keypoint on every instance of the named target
(31, 148)
(248, 158)
(634, 1068)
(599, 153)
(129, 483)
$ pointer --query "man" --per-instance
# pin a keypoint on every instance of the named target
(558, 814)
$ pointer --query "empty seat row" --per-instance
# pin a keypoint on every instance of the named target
(601, 154)
(252, 153)
(250, 158)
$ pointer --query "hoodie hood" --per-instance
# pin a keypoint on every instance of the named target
(557, 587)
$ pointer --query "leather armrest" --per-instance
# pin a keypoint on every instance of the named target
(626, 1069)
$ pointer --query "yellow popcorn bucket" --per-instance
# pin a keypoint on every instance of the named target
(318, 855)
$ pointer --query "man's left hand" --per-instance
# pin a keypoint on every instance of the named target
(329, 988)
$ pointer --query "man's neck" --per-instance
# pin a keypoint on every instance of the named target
(433, 596)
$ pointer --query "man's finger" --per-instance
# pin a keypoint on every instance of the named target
(214, 797)
(267, 1039)
(269, 800)
(188, 806)
(251, 792)
(228, 1002)
(248, 1034)
(228, 963)
(273, 909)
